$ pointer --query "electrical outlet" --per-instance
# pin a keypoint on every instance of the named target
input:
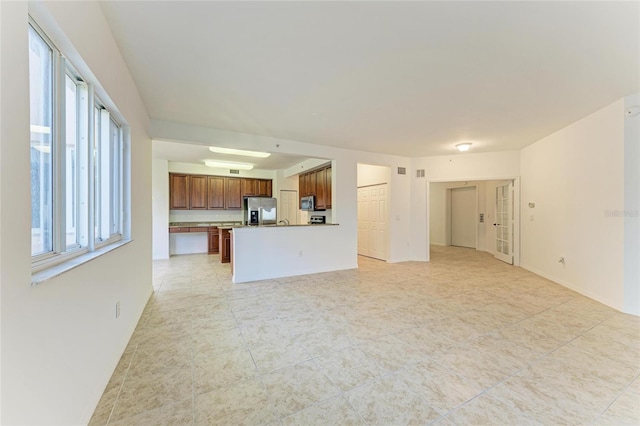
(117, 309)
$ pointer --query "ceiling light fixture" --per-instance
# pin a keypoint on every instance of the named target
(462, 147)
(231, 151)
(228, 165)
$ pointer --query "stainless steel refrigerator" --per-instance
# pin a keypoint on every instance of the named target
(259, 211)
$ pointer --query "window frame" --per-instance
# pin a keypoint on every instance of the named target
(84, 214)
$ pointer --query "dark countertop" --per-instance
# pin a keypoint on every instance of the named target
(203, 224)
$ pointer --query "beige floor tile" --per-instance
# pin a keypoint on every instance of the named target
(334, 411)
(210, 373)
(278, 354)
(207, 343)
(391, 352)
(245, 403)
(463, 339)
(178, 414)
(152, 390)
(319, 341)
(295, 388)
(388, 400)
(625, 410)
(487, 411)
(441, 388)
(350, 367)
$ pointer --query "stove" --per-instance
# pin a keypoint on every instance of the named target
(317, 220)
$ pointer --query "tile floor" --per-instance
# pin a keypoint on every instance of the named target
(464, 339)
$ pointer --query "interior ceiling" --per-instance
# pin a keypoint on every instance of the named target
(405, 78)
(197, 154)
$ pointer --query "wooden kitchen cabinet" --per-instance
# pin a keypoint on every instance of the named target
(233, 194)
(249, 187)
(178, 191)
(318, 183)
(205, 192)
(214, 240)
(320, 178)
(327, 183)
(215, 192)
(225, 246)
(264, 187)
(198, 192)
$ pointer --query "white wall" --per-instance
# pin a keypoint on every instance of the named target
(160, 200)
(632, 204)
(575, 177)
(61, 340)
(372, 175)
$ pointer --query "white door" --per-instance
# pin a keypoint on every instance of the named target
(504, 222)
(363, 221)
(288, 206)
(463, 217)
(372, 221)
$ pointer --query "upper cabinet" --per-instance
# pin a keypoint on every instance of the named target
(264, 187)
(178, 191)
(198, 195)
(317, 182)
(233, 193)
(215, 192)
(256, 187)
(204, 192)
(249, 187)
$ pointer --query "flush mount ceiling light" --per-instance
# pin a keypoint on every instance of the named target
(462, 147)
(228, 165)
(231, 151)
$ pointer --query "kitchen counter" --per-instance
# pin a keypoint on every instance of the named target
(201, 224)
(279, 226)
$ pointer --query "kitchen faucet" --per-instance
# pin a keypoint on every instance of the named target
(285, 221)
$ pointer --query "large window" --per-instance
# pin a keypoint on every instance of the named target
(42, 150)
(77, 157)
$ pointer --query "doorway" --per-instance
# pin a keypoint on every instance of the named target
(486, 213)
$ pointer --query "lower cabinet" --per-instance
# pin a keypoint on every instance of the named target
(225, 246)
(214, 240)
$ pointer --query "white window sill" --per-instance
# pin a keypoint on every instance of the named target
(40, 277)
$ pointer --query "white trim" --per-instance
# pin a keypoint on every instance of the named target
(59, 269)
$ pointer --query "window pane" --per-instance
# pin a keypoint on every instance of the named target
(114, 169)
(96, 174)
(41, 117)
(71, 164)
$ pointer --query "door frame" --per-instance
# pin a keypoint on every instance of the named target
(516, 207)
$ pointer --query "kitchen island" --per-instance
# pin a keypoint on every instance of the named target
(266, 252)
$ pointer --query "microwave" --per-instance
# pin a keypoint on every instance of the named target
(308, 203)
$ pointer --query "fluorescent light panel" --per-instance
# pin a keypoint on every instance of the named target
(231, 151)
(228, 165)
